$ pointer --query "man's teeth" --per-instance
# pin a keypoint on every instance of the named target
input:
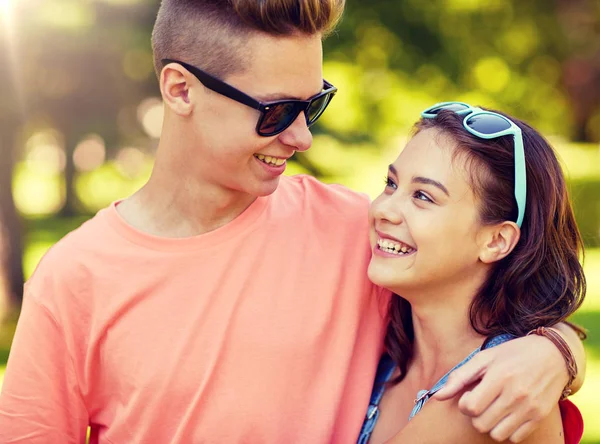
(270, 160)
(394, 247)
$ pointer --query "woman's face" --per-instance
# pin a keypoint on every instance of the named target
(425, 224)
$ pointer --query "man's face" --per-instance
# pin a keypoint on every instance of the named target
(226, 151)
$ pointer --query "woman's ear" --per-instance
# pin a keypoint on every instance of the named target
(497, 241)
(175, 89)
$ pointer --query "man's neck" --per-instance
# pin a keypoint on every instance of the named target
(175, 208)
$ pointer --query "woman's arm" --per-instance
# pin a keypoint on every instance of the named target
(442, 421)
(520, 383)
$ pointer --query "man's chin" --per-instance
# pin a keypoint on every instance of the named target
(267, 188)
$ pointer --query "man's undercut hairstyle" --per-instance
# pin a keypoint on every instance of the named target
(212, 34)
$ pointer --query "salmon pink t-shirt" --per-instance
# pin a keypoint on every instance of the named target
(266, 330)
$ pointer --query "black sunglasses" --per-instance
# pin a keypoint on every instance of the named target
(275, 116)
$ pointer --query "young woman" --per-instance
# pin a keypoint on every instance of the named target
(475, 234)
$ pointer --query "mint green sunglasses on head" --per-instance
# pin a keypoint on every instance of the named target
(490, 125)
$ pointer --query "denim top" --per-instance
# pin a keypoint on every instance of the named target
(384, 373)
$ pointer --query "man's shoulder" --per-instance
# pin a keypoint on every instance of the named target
(334, 197)
(64, 264)
(89, 233)
(311, 183)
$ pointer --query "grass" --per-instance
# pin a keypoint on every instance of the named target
(7, 331)
(589, 317)
(45, 232)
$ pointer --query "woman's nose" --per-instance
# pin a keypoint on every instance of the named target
(387, 209)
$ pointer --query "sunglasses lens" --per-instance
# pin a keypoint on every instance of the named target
(278, 117)
(455, 107)
(316, 108)
(488, 123)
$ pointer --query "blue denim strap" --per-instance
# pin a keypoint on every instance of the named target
(385, 370)
(424, 395)
(497, 340)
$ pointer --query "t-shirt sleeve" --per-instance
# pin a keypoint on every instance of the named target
(41, 400)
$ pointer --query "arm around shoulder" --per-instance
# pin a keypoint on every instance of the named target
(573, 338)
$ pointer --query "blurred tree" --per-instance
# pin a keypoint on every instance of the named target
(88, 75)
(74, 66)
(580, 20)
(11, 240)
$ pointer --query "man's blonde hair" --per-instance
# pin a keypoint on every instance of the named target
(212, 34)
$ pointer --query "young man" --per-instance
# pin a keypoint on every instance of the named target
(223, 302)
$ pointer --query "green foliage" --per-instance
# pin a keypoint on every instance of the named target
(512, 55)
(586, 203)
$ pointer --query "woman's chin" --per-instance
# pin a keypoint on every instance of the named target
(384, 277)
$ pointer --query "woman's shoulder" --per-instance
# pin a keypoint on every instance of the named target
(442, 421)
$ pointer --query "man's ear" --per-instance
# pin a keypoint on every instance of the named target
(497, 241)
(175, 89)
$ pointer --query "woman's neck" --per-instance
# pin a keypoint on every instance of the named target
(443, 335)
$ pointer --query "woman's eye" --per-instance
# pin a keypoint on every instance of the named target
(422, 196)
(389, 182)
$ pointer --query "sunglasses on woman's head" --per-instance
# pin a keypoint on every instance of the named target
(489, 125)
(275, 117)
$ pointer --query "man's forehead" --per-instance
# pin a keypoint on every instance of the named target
(281, 68)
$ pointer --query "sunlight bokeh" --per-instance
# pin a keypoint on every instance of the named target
(6, 10)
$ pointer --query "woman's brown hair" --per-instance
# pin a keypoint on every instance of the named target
(212, 34)
(541, 282)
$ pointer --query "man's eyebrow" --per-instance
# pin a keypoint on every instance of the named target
(272, 97)
(427, 181)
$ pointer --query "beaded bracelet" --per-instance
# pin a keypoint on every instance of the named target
(565, 351)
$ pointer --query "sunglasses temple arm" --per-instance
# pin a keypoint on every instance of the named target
(520, 175)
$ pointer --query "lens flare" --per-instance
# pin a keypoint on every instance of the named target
(6, 9)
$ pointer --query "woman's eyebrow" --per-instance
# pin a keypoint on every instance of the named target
(427, 181)
(423, 180)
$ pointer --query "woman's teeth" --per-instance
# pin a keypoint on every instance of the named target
(270, 160)
(394, 247)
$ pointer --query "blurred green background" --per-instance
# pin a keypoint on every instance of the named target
(80, 113)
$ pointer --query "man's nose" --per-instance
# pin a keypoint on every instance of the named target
(297, 135)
